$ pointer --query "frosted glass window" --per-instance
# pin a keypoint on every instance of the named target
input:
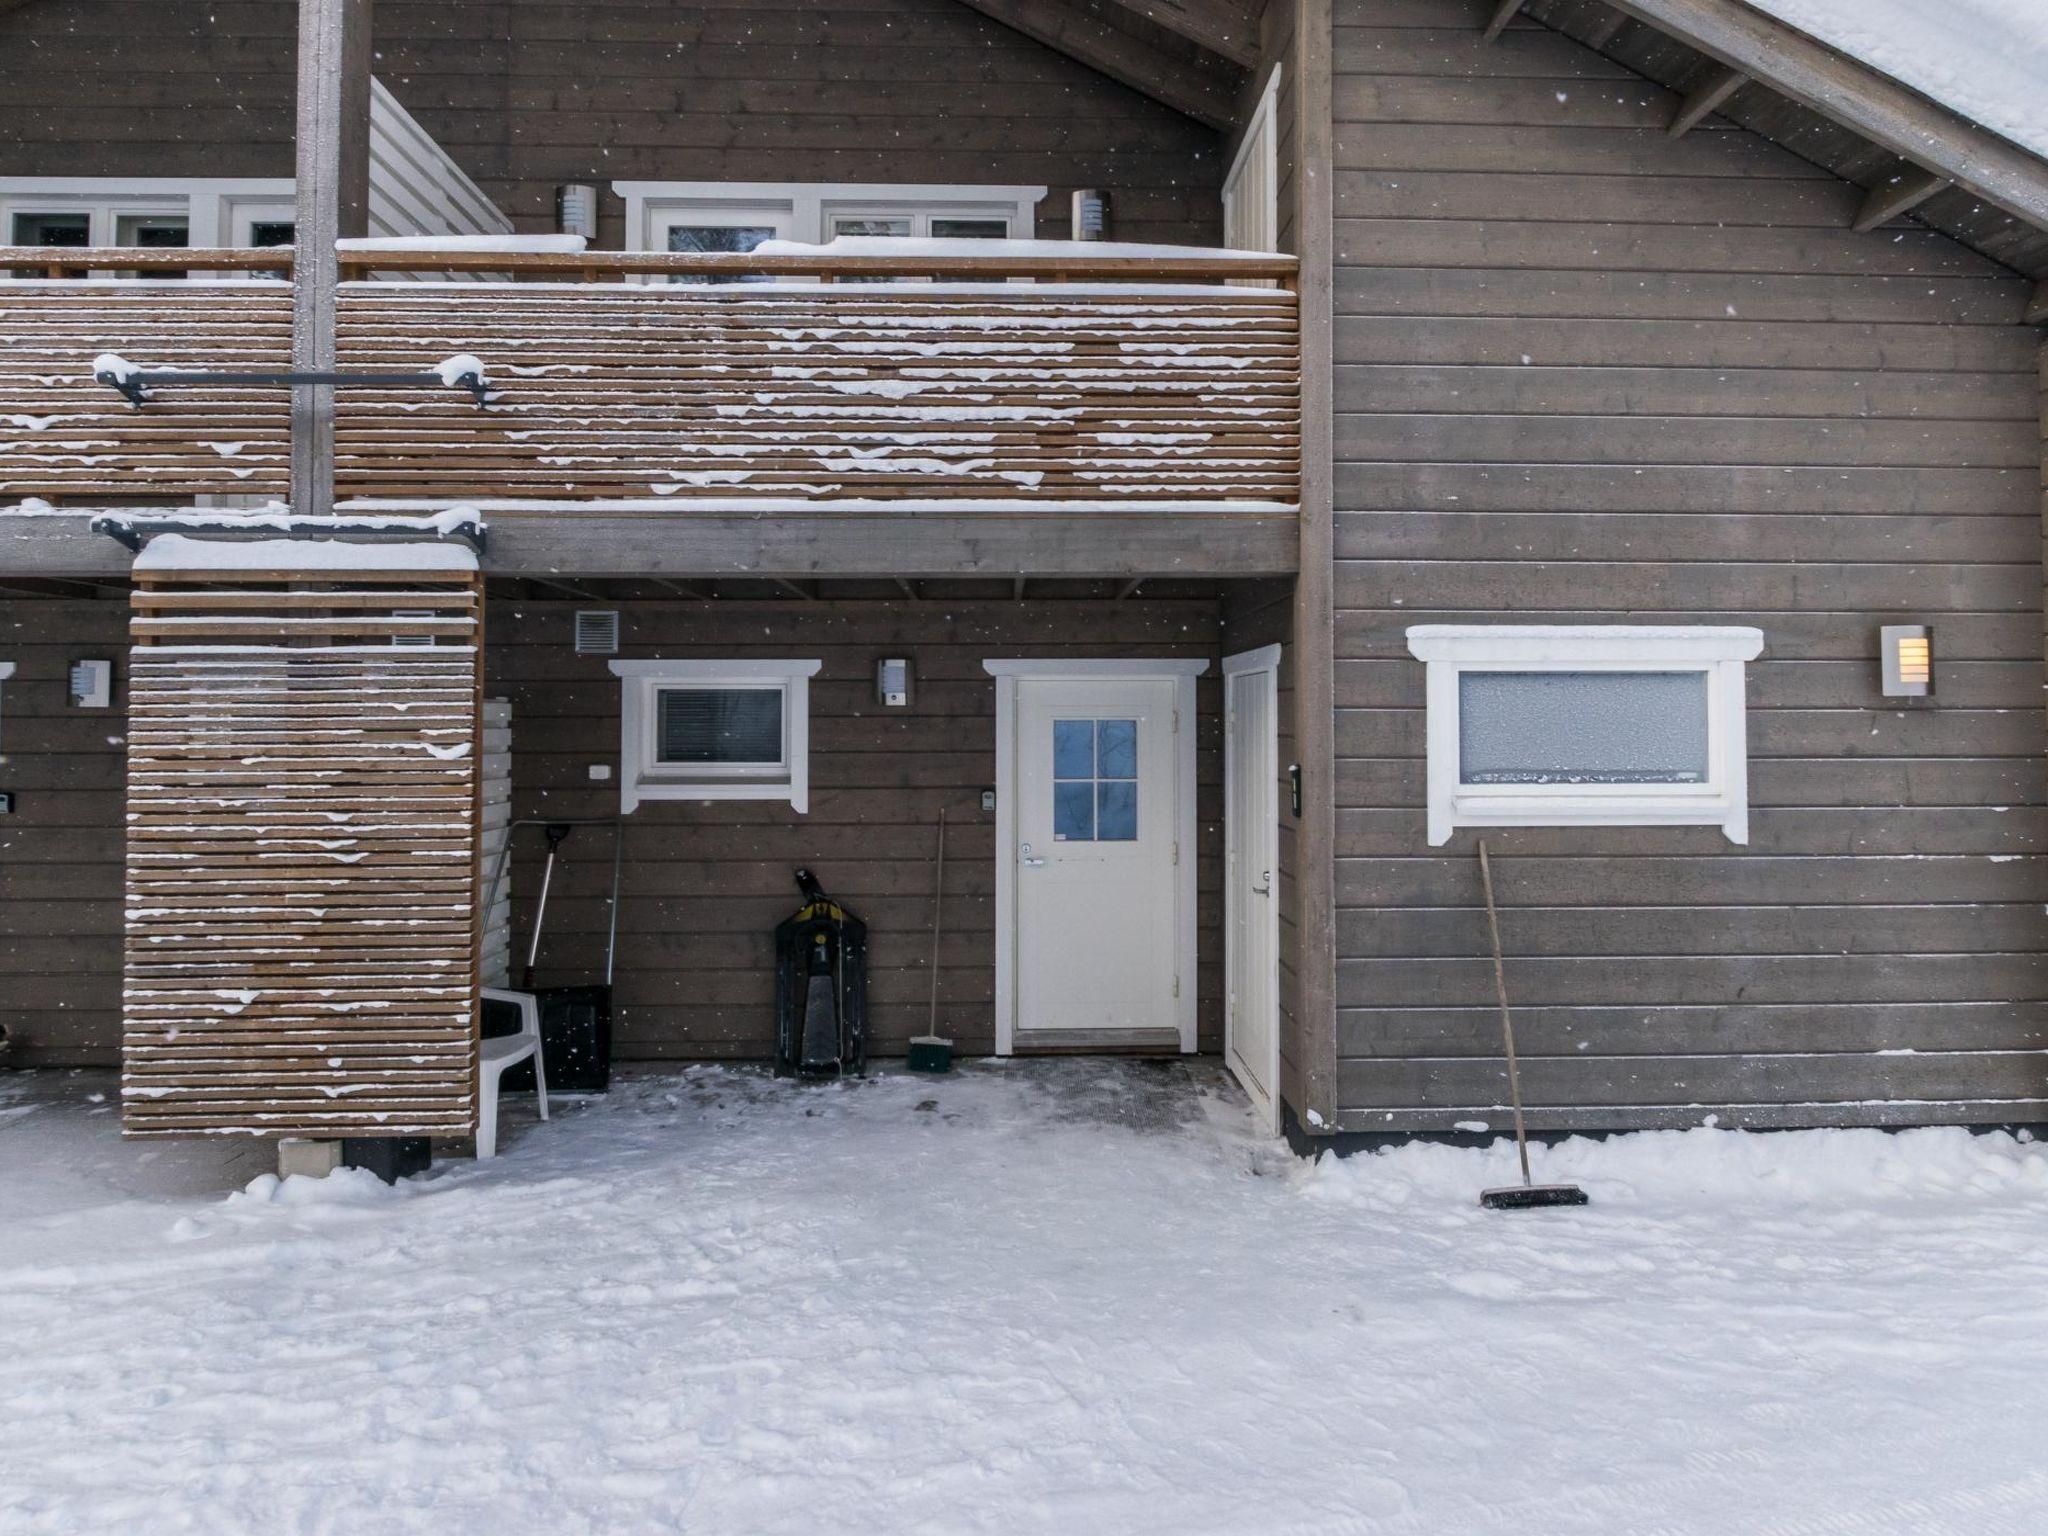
(1095, 773)
(733, 727)
(1583, 727)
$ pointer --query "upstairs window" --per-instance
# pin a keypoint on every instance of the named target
(1540, 725)
(739, 216)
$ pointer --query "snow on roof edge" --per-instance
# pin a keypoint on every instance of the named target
(182, 552)
(1986, 60)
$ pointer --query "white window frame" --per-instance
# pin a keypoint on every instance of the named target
(1718, 652)
(217, 210)
(642, 777)
(803, 210)
(6, 671)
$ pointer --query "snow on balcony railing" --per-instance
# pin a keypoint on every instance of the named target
(1024, 370)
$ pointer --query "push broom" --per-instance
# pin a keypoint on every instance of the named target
(1528, 1194)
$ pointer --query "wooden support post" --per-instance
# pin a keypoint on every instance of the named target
(333, 194)
(1901, 194)
(1503, 13)
(1706, 99)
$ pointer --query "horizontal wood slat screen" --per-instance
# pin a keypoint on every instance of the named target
(668, 393)
(303, 804)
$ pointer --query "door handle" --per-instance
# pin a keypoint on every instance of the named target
(1024, 856)
(1265, 885)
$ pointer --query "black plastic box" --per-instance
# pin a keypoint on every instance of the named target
(575, 1039)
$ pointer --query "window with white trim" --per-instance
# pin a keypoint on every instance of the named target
(738, 216)
(1535, 725)
(714, 730)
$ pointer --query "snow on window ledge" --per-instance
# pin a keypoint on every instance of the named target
(1592, 765)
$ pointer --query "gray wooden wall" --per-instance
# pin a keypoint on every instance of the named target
(526, 95)
(61, 851)
(705, 884)
(1588, 373)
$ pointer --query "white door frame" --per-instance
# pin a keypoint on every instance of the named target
(1267, 754)
(1008, 672)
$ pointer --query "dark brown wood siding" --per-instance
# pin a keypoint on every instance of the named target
(1588, 373)
(528, 95)
(705, 884)
(61, 850)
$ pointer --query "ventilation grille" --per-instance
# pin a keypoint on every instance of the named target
(597, 631)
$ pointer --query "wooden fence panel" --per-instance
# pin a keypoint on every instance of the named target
(303, 821)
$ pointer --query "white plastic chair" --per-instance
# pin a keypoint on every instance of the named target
(499, 1055)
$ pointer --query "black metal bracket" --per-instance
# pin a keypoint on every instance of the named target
(135, 387)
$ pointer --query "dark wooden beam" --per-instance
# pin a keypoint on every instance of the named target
(1017, 589)
(1503, 13)
(1606, 31)
(1705, 99)
(1858, 97)
(1129, 588)
(1901, 194)
(682, 589)
(1208, 96)
(709, 549)
(907, 587)
(333, 198)
(1222, 27)
(808, 591)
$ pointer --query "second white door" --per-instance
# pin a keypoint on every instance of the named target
(1097, 826)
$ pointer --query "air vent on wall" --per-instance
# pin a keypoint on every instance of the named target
(597, 631)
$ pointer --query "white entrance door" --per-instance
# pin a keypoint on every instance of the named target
(1102, 768)
(1251, 799)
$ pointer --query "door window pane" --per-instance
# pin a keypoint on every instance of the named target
(1073, 749)
(1116, 819)
(1095, 790)
(1117, 749)
(720, 238)
(970, 229)
(1582, 727)
(733, 727)
(1073, 812)
(265, 233)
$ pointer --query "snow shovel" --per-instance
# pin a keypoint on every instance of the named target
(1528, 1194)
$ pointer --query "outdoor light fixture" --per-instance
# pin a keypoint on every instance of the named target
(576, 209)
(1091, 215)
(892, 682)
(1908, 660)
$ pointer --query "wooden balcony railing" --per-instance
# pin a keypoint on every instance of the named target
(615, 378)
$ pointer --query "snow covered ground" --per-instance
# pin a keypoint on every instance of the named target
(1062, 1297)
